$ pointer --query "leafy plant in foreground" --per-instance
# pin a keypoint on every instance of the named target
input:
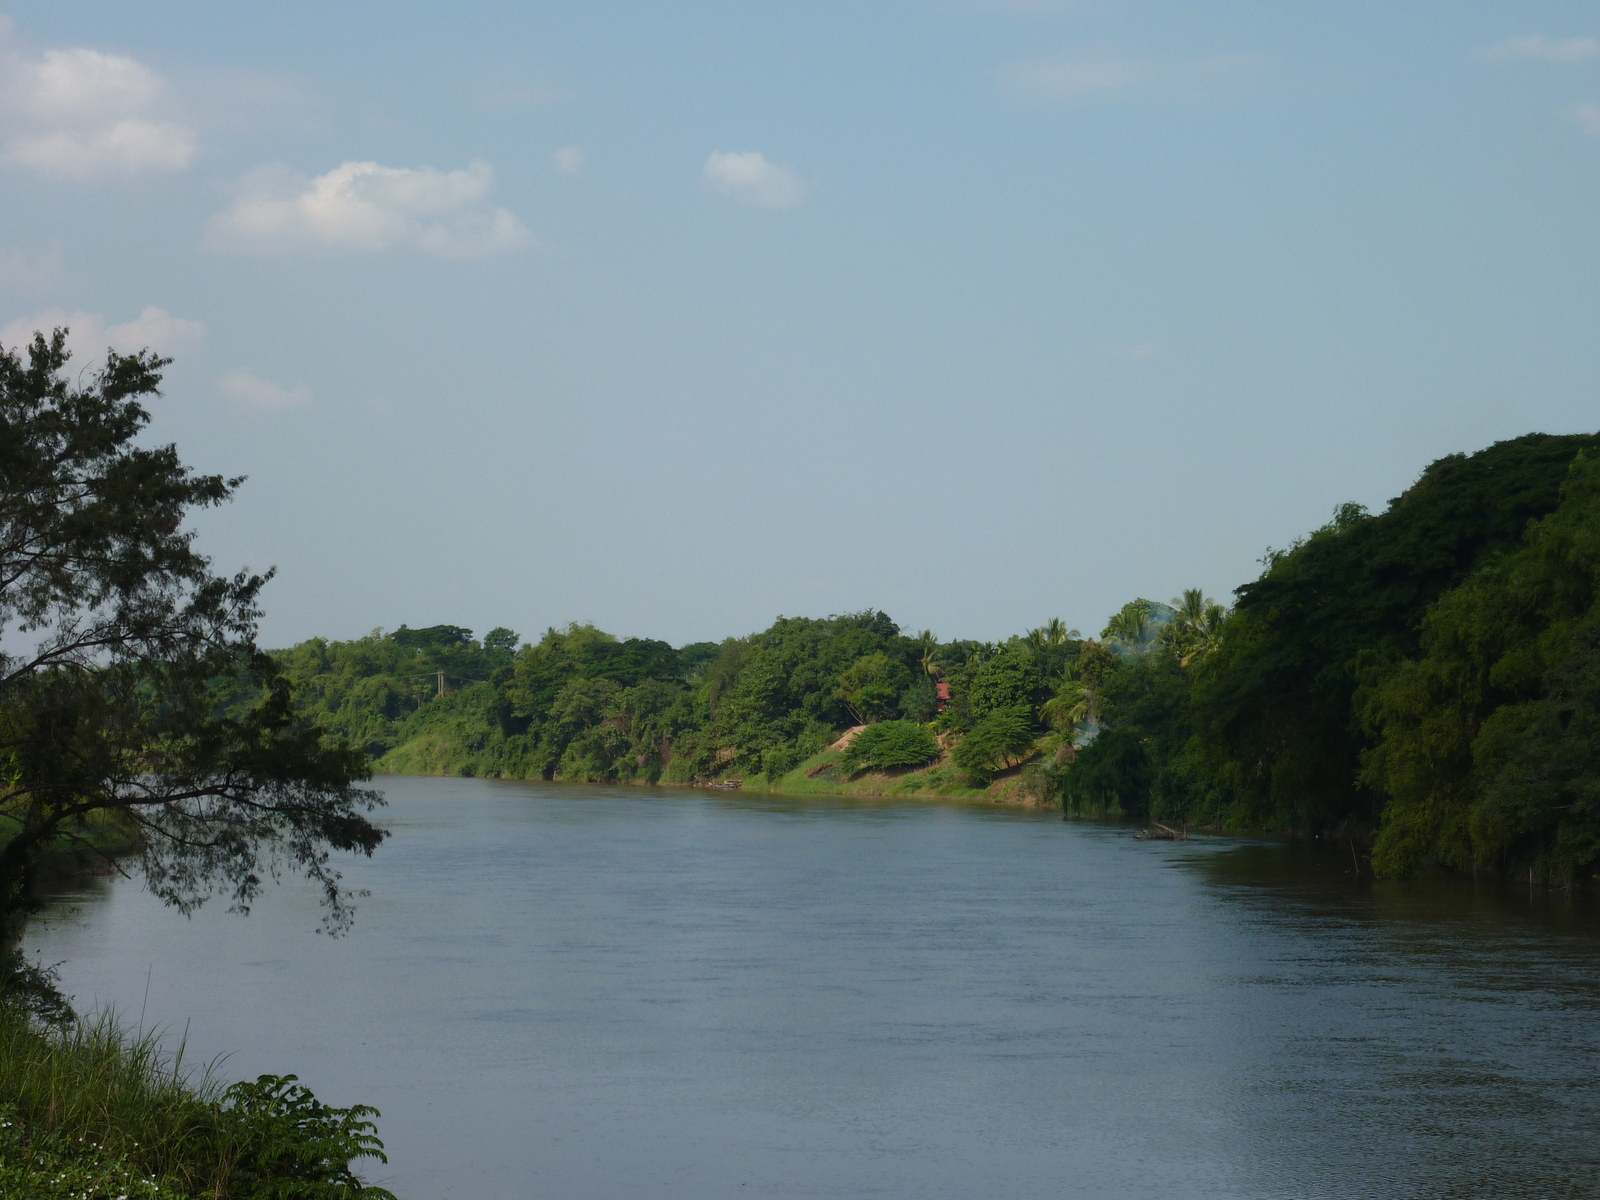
(299, 1147)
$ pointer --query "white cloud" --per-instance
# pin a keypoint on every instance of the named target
(569, 160)
(89, 336)
(85, 115)
(124, 148)
(367, 207)
(85, 85)
(751, 178)
(1103, 77)
(262, 395)
(1588, 116)
(1537, 47)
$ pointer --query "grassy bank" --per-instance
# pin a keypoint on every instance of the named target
(829, 774)
(88, 1110)
(823, 774)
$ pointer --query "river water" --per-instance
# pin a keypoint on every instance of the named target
(580, 992)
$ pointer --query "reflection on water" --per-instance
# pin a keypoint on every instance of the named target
(573, 992)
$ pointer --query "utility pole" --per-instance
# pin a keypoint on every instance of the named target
(440, 696)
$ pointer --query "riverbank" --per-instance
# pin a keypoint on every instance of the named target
(823, 774)
(828, 774)
(90, 1110)
(89, 847)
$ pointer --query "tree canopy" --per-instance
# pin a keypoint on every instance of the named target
(131, 688)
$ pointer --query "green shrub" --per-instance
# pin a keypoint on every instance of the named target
(107, 1108)
(891, 744)
(779, 761)
(297, 1147)
(45, 1166)
(996, 742)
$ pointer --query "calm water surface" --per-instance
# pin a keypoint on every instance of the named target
(580, 992)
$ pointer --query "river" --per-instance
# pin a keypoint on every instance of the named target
(590, 993)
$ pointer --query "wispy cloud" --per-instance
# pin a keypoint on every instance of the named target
(363, 206)
(85, 115)
(748, 177)
(569, 160)
(1112, 77)
(1535, 47)
(262, 395)
(89, 336)
(1070, 78)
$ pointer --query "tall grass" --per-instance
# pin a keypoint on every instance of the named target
(93, 1082)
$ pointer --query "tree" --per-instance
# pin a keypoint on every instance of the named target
(1282, 704)
(1196, 626)
(1069, 708)
(1489, 741)
(996, 742)
(870, 687)
(1133, 629)
(142, 698)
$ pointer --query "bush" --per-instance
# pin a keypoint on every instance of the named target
(45, 1166)
(891, 744)
(995, 742)
(91, 1105)
(779, 761)
(298, 1147)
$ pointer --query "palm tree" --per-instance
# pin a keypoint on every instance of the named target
(1056, 633)
(1131, 627)
(1068, 708)
(1196, 627)
(1191, 608)
(928, 646)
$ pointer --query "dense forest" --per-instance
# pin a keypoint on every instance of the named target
(1424, 681)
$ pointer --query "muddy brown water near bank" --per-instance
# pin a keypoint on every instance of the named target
(585, 992)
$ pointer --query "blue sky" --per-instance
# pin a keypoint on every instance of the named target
(676, 317)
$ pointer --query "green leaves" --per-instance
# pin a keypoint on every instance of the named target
(1280, 702)
(296, 1147)
(142, 692)
(890, 744)
(998, 741)
(871, 686)
(1488, 743)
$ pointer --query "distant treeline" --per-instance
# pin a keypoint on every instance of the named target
(1425, 680)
